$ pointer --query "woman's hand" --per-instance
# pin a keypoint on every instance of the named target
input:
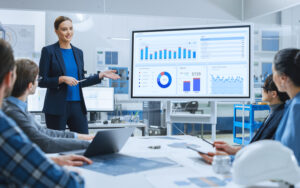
(85, 137)
(71, 160)
(109, 74)
(67, 80)
(223, 146)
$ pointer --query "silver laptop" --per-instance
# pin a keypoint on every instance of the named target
(105, 142)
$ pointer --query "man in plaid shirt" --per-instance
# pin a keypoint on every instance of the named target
(22, 163)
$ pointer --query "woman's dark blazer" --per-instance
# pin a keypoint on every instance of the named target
(52, 66)
(268, 129)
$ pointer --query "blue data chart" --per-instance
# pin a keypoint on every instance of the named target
(227, 85)
(167, 54)
(196, 84)
(117, 164)
(178, 63)
(164, 79)
(186, 86)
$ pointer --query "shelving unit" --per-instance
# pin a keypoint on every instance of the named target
(251, 124)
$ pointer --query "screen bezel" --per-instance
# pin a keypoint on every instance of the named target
(193, 97)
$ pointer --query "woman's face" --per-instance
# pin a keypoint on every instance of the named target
(278, 81)
(65, 31)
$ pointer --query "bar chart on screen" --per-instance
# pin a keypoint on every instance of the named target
(192, 80)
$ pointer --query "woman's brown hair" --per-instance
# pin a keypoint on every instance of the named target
(59, 20)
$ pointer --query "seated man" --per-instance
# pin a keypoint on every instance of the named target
(267, 130)
(50, 141)
(22, 163)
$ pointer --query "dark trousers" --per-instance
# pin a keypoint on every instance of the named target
(73, 117)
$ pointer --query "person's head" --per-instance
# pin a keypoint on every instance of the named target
(27, 73)
(286, 69)
(270, 92)
(63, 28)
(7, 69)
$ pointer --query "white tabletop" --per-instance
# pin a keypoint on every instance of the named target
(188, 164)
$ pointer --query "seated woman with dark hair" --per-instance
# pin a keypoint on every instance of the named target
(50, 141)
(286, 75)
(267, 130)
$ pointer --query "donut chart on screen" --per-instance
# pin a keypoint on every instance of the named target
(161, 79)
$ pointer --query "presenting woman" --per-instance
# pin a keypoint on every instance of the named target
(62, 73)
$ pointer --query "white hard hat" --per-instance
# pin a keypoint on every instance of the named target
(265, 160)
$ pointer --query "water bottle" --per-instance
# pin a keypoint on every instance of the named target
(221, 164)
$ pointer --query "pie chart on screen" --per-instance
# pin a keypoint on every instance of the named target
(164, 79)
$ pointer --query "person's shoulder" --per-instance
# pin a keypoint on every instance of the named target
(5, 105)
(294, 107)
(295, 103)
(297, 99)
(9, 129)
(9, 106)
(50, 47)
(12, 111)
(6, 122)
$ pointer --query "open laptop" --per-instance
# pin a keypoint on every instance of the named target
(105, 142)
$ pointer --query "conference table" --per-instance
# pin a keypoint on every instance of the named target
(157, 161)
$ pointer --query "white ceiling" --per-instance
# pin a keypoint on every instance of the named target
(255, 8)
(210, 9)
(215, 9)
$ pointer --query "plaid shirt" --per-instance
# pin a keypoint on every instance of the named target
(23, 164)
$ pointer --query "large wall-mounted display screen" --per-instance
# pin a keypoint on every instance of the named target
(210, 62)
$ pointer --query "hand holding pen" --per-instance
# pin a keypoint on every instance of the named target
(222, 146)
(68, 80)
(225, 147)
